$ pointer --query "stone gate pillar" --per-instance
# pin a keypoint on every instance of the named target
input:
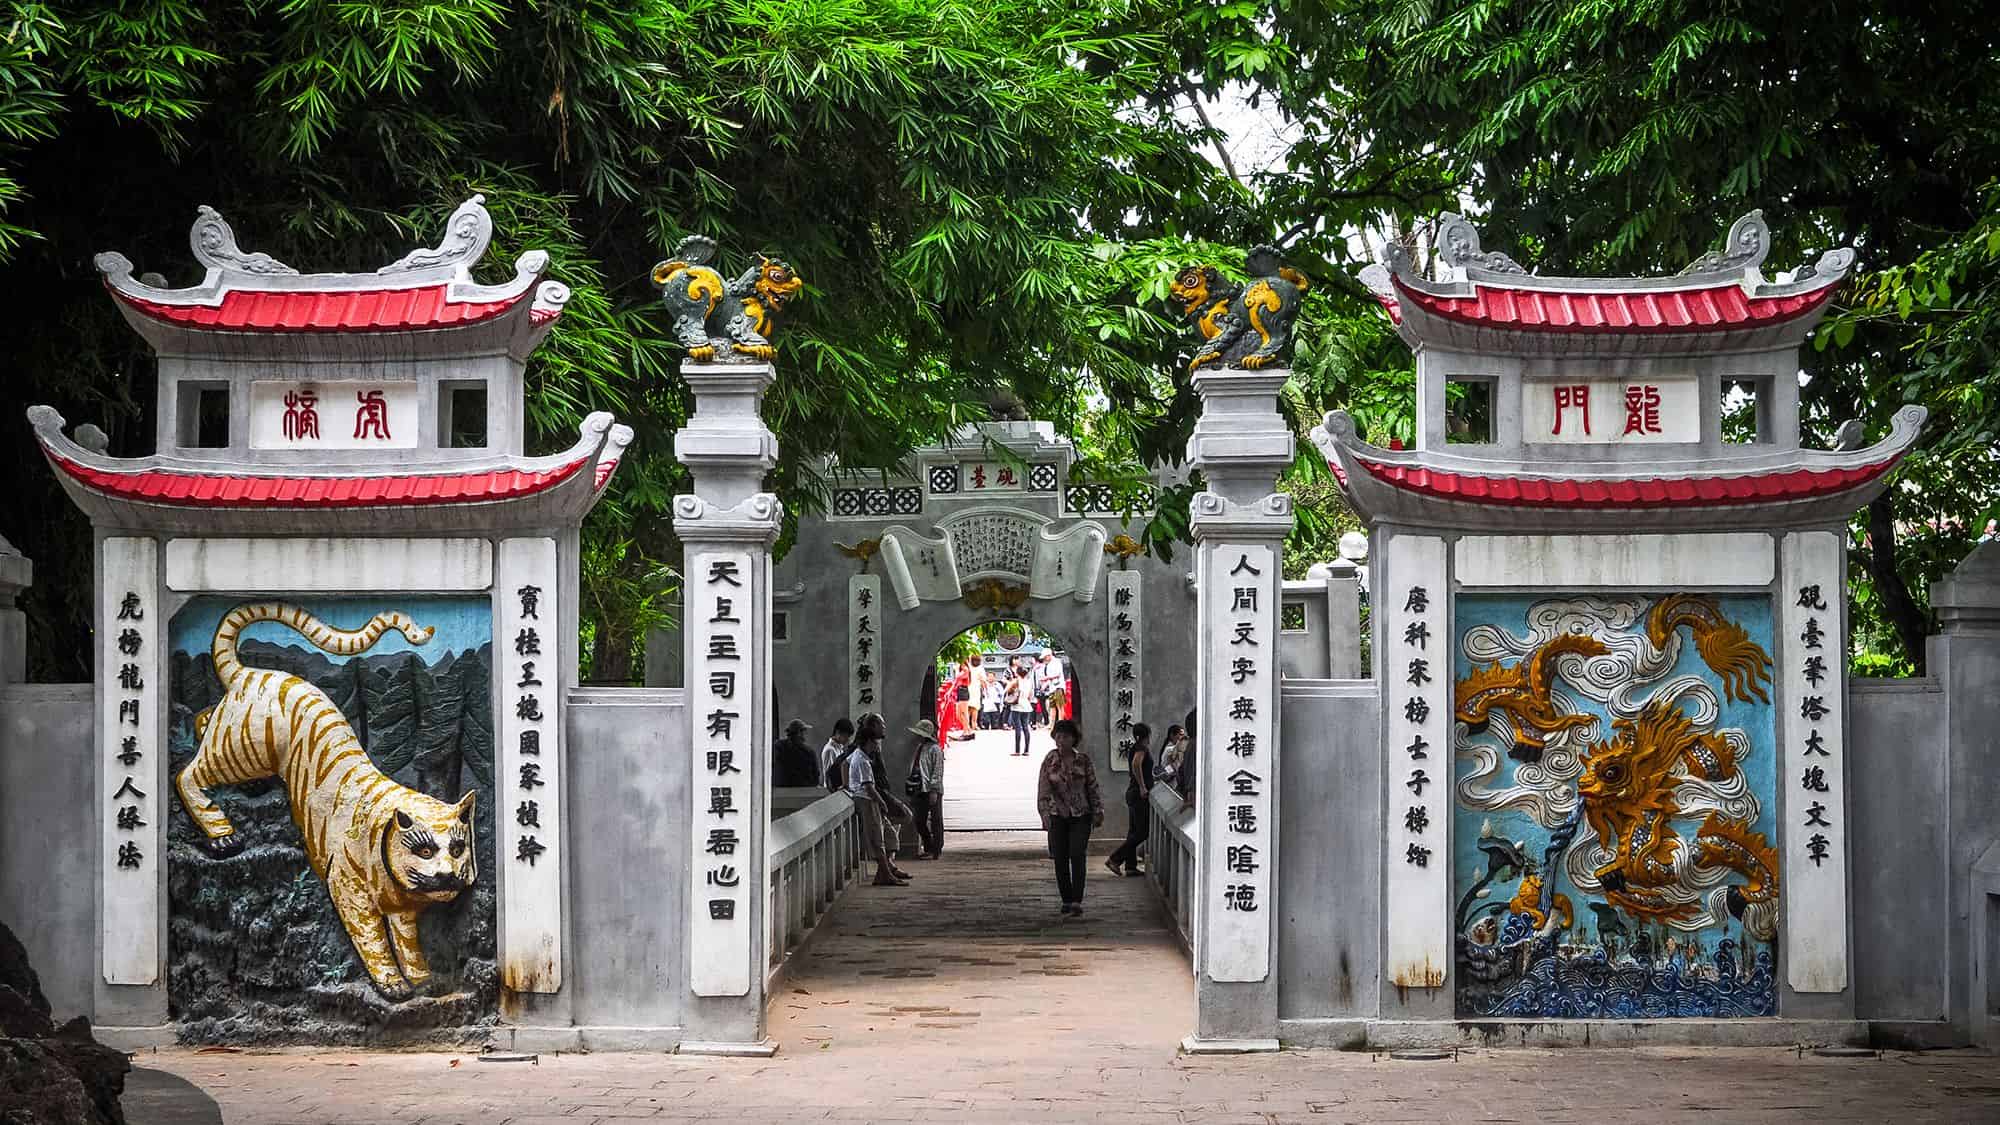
(1240, 445)
(727, 526)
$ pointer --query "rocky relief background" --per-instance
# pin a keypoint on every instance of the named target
(256, 954)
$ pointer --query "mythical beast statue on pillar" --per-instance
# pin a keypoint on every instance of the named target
(723, 321)
(1246, 326)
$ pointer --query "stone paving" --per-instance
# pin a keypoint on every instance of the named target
(986, 787)
(966, 998)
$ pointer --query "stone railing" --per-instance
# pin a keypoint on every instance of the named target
(813, 854)
(1170, 859)
(786, 800)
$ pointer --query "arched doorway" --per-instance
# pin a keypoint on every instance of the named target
(990, 784)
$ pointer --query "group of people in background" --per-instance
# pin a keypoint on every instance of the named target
(1067, 795)
(1028, 692)
(851, 763)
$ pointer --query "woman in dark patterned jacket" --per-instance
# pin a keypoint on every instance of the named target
(1071, 806)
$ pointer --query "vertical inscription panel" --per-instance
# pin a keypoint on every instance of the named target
(1814, 776)
(128, 758)
(1125, 668)
(1238, 756)
(1414, 671)
(864, 643)
(526, 643)
(722, 601)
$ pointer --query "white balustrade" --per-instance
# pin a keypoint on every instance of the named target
(813, 854)
(1170, 859)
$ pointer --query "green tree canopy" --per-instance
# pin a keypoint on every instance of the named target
(938, 172)
(1623, 136)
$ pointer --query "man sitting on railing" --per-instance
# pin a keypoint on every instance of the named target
(857, 778)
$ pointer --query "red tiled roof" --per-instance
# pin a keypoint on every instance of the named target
(1653, 492)
(203, 490)
(1716, 308)
(327, 311)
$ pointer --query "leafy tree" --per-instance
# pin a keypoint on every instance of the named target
(1622, 136)
(939, 172)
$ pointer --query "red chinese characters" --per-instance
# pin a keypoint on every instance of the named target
(301, 417)
(1572, 396)
(371, 417)
(1642, 409)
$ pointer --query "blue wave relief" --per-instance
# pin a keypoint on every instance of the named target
(1582, 982)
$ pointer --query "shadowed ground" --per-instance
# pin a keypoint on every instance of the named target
(965, 998)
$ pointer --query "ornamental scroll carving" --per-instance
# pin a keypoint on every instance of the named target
(214, 246)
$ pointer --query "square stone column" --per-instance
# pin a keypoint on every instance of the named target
(727, 526)
(1240, 444)
(1965, 658)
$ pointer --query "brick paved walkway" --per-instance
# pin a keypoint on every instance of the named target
(964, 998)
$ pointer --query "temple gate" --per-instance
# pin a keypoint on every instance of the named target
(1610, 644)
(335, 627)
(1607, 781)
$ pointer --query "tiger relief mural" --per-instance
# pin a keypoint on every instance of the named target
(1614, 786)
(380, 758)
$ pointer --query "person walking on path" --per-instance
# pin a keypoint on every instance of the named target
(1070, 804)
(856, 774)
(1020, 710)
(1186, 783)
(834, 750)
(793, 763)
(1138, 802)
(993, 695)
(925, 787)
(1052, 685)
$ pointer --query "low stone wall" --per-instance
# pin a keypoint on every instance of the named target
(628, 861)
(1897, 753)
(48, 837)
(1330, 852)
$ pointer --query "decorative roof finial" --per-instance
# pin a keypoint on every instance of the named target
(1748, 242)
(720, 322)
(466, 234)
(214, 246)
(1458, 245)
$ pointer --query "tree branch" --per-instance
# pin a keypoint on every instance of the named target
(1194, 99)
(1911, 623)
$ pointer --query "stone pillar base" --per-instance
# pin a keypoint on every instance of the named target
(760, 1049)
(1754, 1032)
(1196, 1045)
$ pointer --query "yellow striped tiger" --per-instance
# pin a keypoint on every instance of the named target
(385, 852)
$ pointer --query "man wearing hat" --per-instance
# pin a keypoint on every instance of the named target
(793, 763)
(925, 787)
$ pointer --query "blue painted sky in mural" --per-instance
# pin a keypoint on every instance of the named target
(462, 623)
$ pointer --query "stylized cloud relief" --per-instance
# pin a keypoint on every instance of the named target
(1621, 682)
